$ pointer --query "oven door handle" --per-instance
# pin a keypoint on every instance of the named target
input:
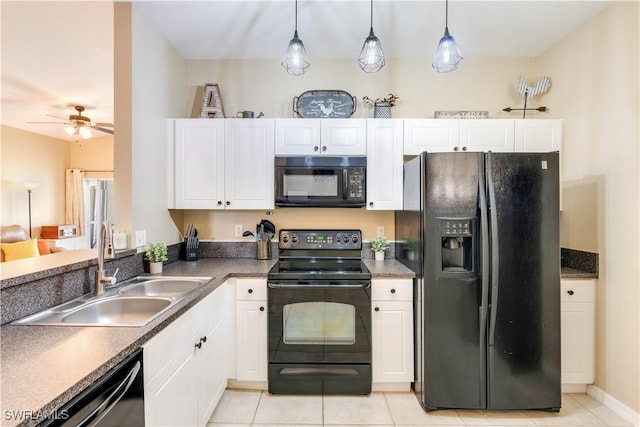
(280, 285)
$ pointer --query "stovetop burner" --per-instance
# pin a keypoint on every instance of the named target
(320, 255)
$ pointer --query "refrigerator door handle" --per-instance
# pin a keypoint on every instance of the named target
(484, 238)
(495, 257)
(484, 254)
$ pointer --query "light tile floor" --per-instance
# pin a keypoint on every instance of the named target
(244, 408)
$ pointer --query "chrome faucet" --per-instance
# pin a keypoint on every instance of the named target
(105, 250)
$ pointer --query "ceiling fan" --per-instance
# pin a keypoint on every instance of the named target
(78, 125)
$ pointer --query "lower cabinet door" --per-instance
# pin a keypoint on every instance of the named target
(392, 352)
(170, 399)
(212, 369)
(251, 323)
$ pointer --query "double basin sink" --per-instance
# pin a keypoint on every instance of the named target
(134, 302)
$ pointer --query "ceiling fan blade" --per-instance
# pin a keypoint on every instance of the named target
(49, 123)
(109, 125)
(66, 119)
(101, 129)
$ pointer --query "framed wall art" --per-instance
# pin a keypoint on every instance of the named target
(212, 107)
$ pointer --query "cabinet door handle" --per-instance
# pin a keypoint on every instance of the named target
(315, 148)
(219, 203)
(198, 344)
(393, 291)
(324, 148)
(371, 204)
(455, 148)
(203, 339)
(570, 292)
(464, 148)
(250, 290)
(377, 309)
(228, 203)
(261, 308)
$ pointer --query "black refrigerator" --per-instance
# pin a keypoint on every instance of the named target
(481, 232)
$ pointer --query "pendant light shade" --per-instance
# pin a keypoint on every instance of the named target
(296, 61)
(371, 57)
(448, 56)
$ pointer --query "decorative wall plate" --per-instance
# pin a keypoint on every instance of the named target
(324, 104)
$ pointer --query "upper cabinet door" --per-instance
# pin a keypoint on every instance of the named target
(346, 137)
(198, 153)
(384, 164)
(538, 136)
(297, 137)
(487, 135)
(432, 135)
(249, 158)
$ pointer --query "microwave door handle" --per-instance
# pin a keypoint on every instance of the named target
(345, 184)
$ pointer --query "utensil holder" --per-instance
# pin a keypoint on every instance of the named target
(264, 249)
(189, 253)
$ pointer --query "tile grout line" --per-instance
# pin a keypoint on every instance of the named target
(255, 411)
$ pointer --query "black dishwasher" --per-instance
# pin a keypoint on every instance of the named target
(115, 400)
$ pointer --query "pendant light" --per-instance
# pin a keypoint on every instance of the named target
(448, 56)
(295, 61)
(371, 57)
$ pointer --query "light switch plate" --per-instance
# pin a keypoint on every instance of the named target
(141, 238)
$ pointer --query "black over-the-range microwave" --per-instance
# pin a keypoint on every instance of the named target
(320, 181)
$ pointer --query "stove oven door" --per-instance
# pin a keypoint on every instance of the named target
(319, 337)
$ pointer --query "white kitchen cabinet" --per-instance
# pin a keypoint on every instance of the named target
(249, 158)
(312, 137)
(431, 135)
(446, 135)
(196, 163)
(185, 365)
(392, 334)
(384, 164)
(577, 309)
(251, 328)
(221, 164)
(495, 135)
(538, 135)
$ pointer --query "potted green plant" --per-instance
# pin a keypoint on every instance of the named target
(379, 245)
(156, 254)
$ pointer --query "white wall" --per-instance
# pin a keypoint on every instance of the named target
(149, 89)
(31, 158)
(595, 89)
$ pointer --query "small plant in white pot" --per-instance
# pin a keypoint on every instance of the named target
(156, 254)
(379, 245)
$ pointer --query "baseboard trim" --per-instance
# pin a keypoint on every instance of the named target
(574, 388)
(614, 404)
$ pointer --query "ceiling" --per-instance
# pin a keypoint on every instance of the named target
(58, 54)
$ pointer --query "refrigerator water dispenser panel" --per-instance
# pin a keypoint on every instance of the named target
(456, 245)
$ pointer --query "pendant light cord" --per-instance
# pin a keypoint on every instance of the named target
(296, 20)
(371, 14)
(446, 13)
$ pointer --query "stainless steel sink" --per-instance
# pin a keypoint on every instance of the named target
(134, 302)
(123, 311)
(161, 287)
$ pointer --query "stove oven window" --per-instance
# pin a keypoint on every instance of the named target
(314, 323)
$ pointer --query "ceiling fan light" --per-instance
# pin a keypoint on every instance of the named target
(371, 57)
(85, 133)
(70, 130)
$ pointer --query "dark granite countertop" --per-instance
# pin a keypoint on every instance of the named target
(572, 273)
(42, 367)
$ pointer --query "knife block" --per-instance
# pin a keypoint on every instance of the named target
(188, 254)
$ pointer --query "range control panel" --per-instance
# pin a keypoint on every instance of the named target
(320, 239)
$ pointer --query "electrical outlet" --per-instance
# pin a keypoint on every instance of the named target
(238, 230)
(380, 230)
(141, 238)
